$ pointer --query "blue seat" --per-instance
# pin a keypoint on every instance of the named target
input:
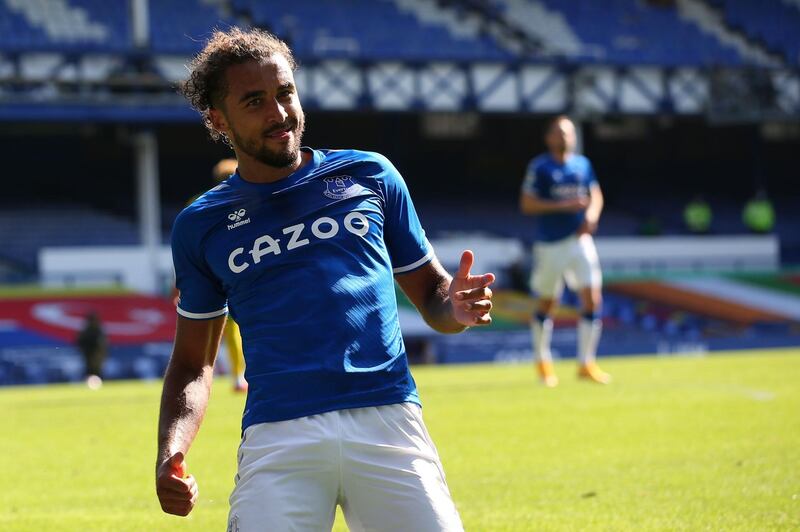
(630, 32)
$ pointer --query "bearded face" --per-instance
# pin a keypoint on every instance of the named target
(261, 113)
(277, 146)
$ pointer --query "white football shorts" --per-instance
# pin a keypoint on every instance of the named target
(378, 463)
(573, 259)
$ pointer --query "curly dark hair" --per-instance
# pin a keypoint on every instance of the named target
(206, 87)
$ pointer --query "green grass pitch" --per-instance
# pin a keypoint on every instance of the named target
(675, 443)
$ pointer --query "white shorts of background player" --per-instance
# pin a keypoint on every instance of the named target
(378, 463)
(573, 259)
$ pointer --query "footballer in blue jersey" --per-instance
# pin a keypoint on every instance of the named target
(303, 247)
(560, 188)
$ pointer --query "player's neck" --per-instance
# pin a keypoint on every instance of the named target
(560, 156)
(255, 171)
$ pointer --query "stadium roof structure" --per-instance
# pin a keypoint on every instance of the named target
(507, 87)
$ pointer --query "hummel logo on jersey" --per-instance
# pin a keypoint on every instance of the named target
(237, 218)
(322, 228)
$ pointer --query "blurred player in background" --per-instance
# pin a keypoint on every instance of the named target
(233, 339)
(93, 344)
(561, 190)
(231, 336)
(303, 247)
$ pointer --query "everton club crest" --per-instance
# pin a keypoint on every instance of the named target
(340, 187)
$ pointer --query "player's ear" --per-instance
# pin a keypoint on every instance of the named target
(218, 121)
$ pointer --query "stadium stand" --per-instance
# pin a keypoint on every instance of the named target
(180, 27)
(549, 27)
(39, 366)
(619, 31)
(623, 32)
(346, 29)
(776, 25)
(63, 26)
(712, 22)
(58, 225)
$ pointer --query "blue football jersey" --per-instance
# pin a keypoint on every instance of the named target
(305, 266)
(550, 180)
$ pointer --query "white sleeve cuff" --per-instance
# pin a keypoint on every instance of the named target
(202, 315)
(427, 258)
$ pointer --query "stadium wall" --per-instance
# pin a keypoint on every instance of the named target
(133, 268)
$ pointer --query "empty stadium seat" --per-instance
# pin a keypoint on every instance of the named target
(630, 32)
(63, 25)
(618, 31)
(183, 26)
(347, 29)
(776, 24)
(59, 225)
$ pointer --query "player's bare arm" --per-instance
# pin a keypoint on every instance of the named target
(450, 304)
(531, 204)
(593, 211)
(187, 385)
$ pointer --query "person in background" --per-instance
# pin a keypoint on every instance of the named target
(561, 190)
(759, 214)
(697, 215)
(231, 335)
(92, 342)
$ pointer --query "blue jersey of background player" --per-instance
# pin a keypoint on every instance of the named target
(569, 181)
(303, 246)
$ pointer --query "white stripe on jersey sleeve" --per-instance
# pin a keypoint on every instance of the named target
(202, 315)
(402, 269)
